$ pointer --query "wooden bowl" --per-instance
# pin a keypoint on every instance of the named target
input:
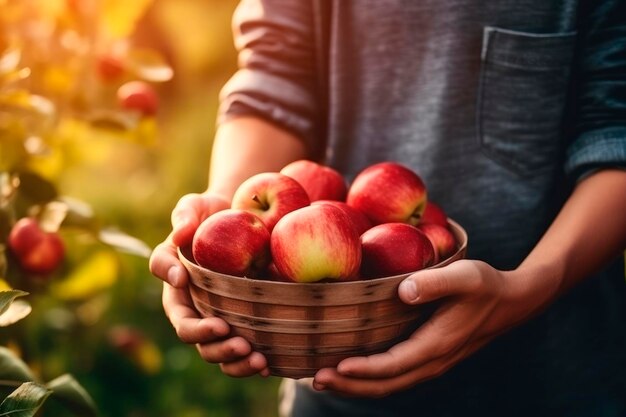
(300, 327)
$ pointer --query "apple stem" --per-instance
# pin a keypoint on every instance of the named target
(263, 205)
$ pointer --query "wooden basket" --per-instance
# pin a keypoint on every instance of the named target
(300, 327)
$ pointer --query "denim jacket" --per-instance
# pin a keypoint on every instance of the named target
(501, 106)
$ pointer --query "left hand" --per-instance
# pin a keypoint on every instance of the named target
(477, 302)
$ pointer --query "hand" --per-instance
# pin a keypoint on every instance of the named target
(477, 302)
(190, 211)
(210, 334)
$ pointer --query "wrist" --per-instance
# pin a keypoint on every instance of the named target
(535, 285)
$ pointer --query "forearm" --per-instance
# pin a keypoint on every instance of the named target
(246, 146)
(589, 231)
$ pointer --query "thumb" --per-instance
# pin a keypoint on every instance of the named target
(190, 211)
(432, 284)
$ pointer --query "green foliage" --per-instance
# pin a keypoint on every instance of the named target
(48, 55)
(12, 311)
(68, 391)
(107, 179)
(12, 368)
(31, 394)
(24, 401)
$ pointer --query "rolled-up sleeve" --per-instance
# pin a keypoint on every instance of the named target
(276, 76)
(599, 137)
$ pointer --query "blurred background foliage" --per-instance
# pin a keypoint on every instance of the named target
(105, 176)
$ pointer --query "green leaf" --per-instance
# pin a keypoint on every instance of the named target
(12, 311)
(9, 60)
(69, 392)
(24, 401)
(149, 65)
(8, 186)
(124, 242)
(113, 120)
(7, 297)
(96, 274)
(79, 214)
(16, 312)
(24, 101)
(36, 188)
(12, 368)
(52, 216)
(15, 76)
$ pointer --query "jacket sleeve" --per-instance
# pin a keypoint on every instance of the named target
(276, 75)
(598, 137)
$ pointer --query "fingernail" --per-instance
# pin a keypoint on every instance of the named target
(408, 289)
(343, 370)
(318, 387)
(173, 275)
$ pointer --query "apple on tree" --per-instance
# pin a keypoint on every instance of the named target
(138, 96)
(270, 195)
(394, 248)
(442, 239)
(37, 251)
(319, 181)
(388, 192)
(109, 67)
(316, 243)
(234, 242)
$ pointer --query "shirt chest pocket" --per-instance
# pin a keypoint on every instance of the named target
(522, 96)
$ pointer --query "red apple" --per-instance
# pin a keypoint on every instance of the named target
(37, 251)
(109, 67)
(273, 274)
(441, 238)
(234, 242)
(388, 192)
(138, 96)
(433, 213)
(270, 195)
(393, 249)
(359, 220)
(319, 181)
(316, 243)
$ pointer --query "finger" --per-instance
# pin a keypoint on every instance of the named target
(227, 350)
(189, 326)
(190, 211)
(440, 336)
(331, 379)
(432, 284)
(164, 264)
(396, 361)
(254, 363)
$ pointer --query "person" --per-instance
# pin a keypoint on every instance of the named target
(514, 114)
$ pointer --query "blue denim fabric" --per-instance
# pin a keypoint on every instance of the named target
(501, 107)
(596, 149)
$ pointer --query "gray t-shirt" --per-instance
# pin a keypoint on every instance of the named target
(500, 106)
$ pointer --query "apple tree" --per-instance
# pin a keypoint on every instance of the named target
(70, 79)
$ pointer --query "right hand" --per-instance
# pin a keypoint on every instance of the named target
(209, 334)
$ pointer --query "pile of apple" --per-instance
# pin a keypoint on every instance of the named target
(305, 224)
